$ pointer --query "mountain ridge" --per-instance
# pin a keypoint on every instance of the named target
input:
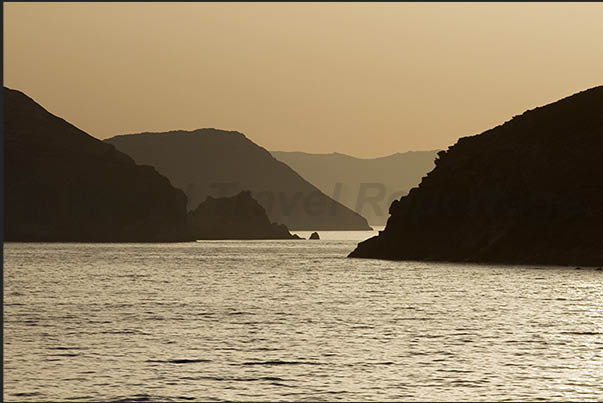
(365, 185)
(338, 154)
(222, 163)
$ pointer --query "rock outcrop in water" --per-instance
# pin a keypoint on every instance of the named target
(62, 184)
(210, 162)
(314, 235)
(236, 217)
(529, 191)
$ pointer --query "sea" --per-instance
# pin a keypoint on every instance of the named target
(292, 320)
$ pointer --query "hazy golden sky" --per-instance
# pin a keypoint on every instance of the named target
(358, 78)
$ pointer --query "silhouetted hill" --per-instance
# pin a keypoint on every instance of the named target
(367, 186)
(220, 163)
(61, 184)
(236, 217)
(528, 191)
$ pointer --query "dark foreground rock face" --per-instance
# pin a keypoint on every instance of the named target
(61, 184)
(529, 191)
(236, 217)
(218, 163)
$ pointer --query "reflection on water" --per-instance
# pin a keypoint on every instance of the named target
(292, 320)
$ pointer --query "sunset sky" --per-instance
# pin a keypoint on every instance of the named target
(357, 78)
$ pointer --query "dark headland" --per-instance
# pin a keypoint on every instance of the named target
(527, 192)
(63, 185)
(218, 163)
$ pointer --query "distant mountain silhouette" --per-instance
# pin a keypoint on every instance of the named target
(61, 184)
(367, 186)
(211, 162)
(528, 191)
(236, 217)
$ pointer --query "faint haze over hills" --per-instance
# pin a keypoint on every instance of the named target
(367, 186)
(360, 78)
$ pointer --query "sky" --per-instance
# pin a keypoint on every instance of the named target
(365, 79)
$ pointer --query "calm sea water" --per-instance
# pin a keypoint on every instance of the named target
(292, 320)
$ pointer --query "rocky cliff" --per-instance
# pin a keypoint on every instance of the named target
(61, 184)
(236, 217)
(528, 191)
